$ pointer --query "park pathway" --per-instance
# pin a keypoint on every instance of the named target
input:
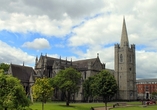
(102, 108)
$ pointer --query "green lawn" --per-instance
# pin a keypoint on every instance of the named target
(150, 107)
(61, 106)
(87, 106)
(137, 105)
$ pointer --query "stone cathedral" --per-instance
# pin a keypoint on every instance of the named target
(125, 67)
(124, 72)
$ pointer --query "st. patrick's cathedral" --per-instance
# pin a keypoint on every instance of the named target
(124, 70)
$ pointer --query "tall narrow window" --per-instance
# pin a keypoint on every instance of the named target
(121, 58)
(85, 75)
(130, 58)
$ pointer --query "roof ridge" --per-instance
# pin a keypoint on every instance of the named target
(21, 65)
(85, 59)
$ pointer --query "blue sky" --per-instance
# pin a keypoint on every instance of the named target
(78, 30)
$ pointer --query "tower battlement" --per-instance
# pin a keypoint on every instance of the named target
(116, 45)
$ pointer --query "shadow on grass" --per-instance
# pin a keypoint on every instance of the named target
(67, 106)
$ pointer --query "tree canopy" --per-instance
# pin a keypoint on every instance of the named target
(106, 85)
(68, 81)
(42, 90)
(89, 88)
(102, 84)
(4, 66)
(12, 94)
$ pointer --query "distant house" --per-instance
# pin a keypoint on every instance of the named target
(145, 87)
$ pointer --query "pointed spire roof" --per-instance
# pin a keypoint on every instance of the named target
(124, 35)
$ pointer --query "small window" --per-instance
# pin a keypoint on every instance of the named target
(121, 58)
(85, 75)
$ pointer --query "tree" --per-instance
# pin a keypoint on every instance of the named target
(12, 94)
(102, 84)
(89, 88)
(68, 81)
(106, 85)
(42, 90)
(4, 66)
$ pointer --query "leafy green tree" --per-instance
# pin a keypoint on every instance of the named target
(68, 81)
(101, 85)
(89, 88)
(12, 94)
(106, 85)
(1, 71)
(4, 66)
(42, 90)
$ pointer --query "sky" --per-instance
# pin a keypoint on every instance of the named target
(78, 29)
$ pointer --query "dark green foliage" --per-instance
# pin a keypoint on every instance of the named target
(4, 66)
(68, 81)
(89, 88)
(12, 94)
(107, 85)
(102, 84)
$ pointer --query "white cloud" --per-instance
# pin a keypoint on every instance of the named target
(56, 18)
(53, 8)
(146, 64)
(37, 44)
(14, 55)
(106, 55)
(98, 31)
(21, 23)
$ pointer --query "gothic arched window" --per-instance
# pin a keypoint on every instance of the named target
(121, 58)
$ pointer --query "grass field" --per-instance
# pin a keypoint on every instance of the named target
(87, 106)
(150, 107)
(61, 106)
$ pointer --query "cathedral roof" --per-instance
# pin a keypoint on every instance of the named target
(79, 64)
(21, 72)
(124, 35)
(84, 63)
(51, 60)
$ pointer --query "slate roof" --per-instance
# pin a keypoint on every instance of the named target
(51, 60)
(146, 80)
(79, 64)
(83, 64)
(21, 72)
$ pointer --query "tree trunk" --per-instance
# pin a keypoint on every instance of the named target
(42, 105)
(68, 99)
(67, 103)
(5, 108)
(105, 105)
(88, 99)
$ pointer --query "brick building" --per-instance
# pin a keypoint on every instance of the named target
(145, 87)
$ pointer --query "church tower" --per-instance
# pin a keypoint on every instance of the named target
(125, 67)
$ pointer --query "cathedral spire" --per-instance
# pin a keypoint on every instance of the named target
(124, 35)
